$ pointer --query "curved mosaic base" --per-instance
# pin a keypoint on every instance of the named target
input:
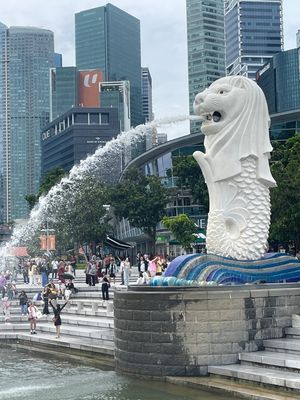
(209, 269)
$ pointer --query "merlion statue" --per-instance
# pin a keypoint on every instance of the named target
(236, 167)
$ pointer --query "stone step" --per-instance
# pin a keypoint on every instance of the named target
(49, 340)
(104, 334)
(103, 322)
(100, 312)
(257, 374)
(283, 345)
(292, 333)
(79, 304)
(232, 388)
(88, 312)
(282, 360)
(93, 293)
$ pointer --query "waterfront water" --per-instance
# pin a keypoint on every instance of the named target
(27, 376)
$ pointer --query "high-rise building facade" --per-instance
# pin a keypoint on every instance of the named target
(26, 54)
(117, 95)
(147, 95)
(57, 60)
(78, 133)
(108, 39)
(63, 90)
(298, 39)
(253, 34)
(280, 81)
(206, 46)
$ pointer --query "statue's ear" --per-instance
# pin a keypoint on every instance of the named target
(239, 82)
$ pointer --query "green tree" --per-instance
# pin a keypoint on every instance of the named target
(182, 228)
(50, 179)
(285, 199)
(81, 218)
(190, 177)
(140, 199)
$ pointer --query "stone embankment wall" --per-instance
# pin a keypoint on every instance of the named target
(180, 331)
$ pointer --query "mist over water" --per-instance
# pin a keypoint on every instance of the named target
(99, 165)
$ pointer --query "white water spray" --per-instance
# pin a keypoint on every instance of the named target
(94, 165)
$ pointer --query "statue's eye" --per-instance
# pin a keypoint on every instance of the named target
(224, 90)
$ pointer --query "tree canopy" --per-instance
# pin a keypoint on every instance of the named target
(182, 228)
(285, 199)
(190, 176)
(50, 179)
(82, 218)
(140, 199)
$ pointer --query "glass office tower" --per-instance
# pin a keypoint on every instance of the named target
(5, 162)
(26, 56)
(253, 34)
(108, 38)
(147, 95)
(63, 90)
(280, 81)
(206, 46)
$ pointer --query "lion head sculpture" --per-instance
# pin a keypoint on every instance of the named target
(236, 125)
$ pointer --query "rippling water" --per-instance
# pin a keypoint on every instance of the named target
(27, 376)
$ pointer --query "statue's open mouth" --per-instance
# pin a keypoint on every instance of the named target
(215, 116)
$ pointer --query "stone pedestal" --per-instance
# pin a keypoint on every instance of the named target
(180, 331)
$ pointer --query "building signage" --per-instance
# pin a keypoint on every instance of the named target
(88, 84)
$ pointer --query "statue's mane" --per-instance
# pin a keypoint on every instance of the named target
(249, 132)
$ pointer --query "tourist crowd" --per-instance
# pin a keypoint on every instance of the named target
(56, 278)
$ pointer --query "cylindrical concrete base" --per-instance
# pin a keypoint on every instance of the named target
(180, 331)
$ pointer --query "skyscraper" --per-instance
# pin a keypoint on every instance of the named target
(147, 95)
(206, 46)
(117, 95)
(63, 90)
(253, 34)
(26, 56)
(108, 38)
(280, 81)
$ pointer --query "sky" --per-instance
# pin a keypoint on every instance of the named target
(163, 40)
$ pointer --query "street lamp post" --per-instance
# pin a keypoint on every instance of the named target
(47, 231)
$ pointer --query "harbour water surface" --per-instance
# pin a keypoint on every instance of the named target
(28, 376)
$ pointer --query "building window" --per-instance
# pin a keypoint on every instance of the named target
(104, 119)
(81, 118)
(94, 119)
